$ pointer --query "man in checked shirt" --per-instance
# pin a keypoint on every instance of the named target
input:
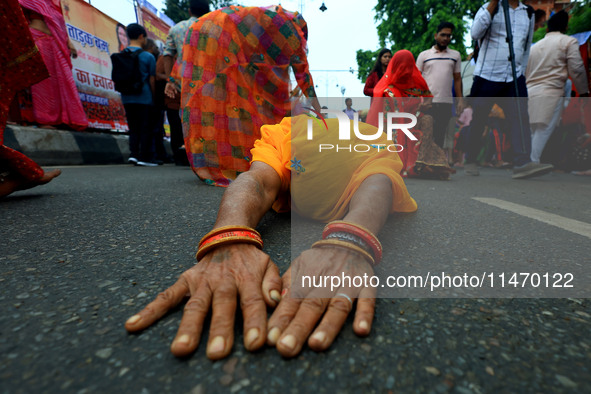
(493, 77)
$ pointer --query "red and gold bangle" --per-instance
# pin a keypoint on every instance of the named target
(362, 232)
(224, 229)
(347, 245)
(228, 235)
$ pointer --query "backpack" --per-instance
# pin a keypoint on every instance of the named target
(126, 72)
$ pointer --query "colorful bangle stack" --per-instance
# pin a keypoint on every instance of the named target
(228, 235)
(360, 237)
(347, 245)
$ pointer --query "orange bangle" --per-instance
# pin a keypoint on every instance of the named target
(227, 228)
(228, 235)
(347, 245)
(215, 242)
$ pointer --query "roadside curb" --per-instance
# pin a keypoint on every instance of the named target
(50, 147)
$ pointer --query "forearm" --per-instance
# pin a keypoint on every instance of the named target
(576, 68)
(371, 203)
(458, 87)
(482, 21)
(168, 63)
(249, 197)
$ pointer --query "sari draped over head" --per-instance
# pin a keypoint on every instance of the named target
(22, 66)
(235, 76)
(402, 79)
(402, 89)
(55, 100)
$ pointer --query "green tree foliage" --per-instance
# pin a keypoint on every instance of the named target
(580, 20)
(178, 10)
(365, 62)
(411, 24)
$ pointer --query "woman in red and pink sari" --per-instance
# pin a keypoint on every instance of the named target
(55, 100)
(403, 89)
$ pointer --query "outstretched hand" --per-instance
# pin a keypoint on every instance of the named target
(295, 321)
(227, 273)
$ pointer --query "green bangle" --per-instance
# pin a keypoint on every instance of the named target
(171, 79)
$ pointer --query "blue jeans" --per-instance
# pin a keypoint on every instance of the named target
(483, 95)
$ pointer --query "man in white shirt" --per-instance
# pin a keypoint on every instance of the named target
(440, 67)
(552, 61)
(349, 111)
(493, 77)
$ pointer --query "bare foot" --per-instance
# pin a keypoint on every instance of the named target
(48, 176)
(11, 184)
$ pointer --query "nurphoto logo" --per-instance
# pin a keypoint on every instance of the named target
(345, 131)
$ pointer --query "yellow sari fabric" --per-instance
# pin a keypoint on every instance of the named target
(321, 184)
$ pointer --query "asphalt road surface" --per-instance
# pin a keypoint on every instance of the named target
(82, 254)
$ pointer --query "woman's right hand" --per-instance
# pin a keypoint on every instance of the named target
(223, 275)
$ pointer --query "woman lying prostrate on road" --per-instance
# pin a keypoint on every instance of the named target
(353, 193)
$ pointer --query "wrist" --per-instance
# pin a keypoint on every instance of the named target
(228, 235)
(357, 237)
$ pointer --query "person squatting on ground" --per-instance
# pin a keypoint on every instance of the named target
(441, 66)
(22, 66)
(493, 77)
(552, 60)
(230, 92)
(359, 188)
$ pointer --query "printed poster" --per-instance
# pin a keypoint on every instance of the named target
(96, 36)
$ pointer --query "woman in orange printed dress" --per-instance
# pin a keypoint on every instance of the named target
(21, 66)
(403, 89)
(235, 79)
(55, 100)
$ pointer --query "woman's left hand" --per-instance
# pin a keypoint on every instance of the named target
(295, 321)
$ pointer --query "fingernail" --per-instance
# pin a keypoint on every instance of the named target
(273, 335)
(319, 336)
(283, 292)
(251, 336)
(289, 341)
(275, 296)
(217, 345)
(363, 325)
(182, 340)
(134, 319)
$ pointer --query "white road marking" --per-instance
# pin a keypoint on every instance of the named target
(574, 226)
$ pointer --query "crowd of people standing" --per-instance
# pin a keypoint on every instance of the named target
(542, 70)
